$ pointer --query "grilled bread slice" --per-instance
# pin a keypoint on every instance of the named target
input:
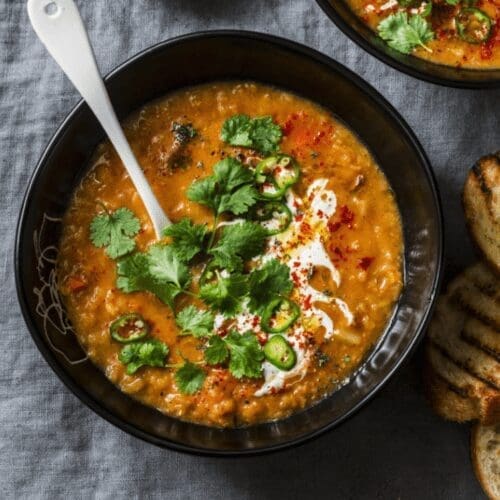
(481, 201)
(485, 452)
(447, 400)
(462, 370)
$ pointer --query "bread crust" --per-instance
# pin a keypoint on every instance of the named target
(486, 459)
(447, 403)
(462, 369)
(481, 203)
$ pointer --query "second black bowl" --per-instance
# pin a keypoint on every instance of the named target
(341, 14)
(187, 61)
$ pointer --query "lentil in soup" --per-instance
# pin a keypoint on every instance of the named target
(279, 273)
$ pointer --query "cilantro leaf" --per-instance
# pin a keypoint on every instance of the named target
(193, 321)
(230, 174)
(115, 231)
(166, 266)
(246, 354)
(217, 351)
(188, 238)
(239, 201)
(261, 133)
(189, 378)
(237, 243)
(225, 294)
(146, 353)
(405, 33)
(237, 131)
(227, 190)
(159, 271)
(272, 279)
(204, 191)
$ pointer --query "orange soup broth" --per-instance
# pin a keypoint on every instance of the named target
(365, 244)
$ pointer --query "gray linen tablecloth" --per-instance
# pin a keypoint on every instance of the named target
(52, 446)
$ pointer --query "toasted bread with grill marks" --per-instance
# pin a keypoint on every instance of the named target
(481, 201)
(485, 453)
(444, 399)
(477, 291)
(462, 372)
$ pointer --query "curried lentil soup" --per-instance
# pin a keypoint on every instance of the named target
(460, 33)
(274, 309)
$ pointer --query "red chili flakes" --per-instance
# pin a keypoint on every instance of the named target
(255, 321)
(307, 304)
(487, 48)
(287, 127)
(305, 227)
(337, 251)
(320, 213)
(365, 262)
(333, 226)
(299, 217)
(77, 283)
(295, 278)
(319, 136)
(262, 338)
(346, 216)
(296, 263)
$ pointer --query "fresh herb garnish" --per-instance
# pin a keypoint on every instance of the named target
(115, 231)
(225, 294)
(228, 289)
(321, 358)
(229, 189)
(188, 238)
(405, 33)
(159, 271)
(244, 352)
(271, 280)
(194, 321)
(145, 353)
(183, 133)
(189, 378)
(217, 351)
(261, 133)
(237, 243)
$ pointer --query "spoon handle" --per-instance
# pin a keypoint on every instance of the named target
(60, 28)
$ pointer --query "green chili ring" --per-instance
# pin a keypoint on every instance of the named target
(209, 274)
(267, 172)
(280, 353)
(131, 324)
(289, 309)
(266, 212)
(473, 25)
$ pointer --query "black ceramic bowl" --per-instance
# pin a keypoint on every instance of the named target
(340, 13)
(195, 59)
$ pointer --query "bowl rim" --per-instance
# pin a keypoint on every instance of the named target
(351, 33)
(320, 58)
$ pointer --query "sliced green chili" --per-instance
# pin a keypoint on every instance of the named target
(473, 25)
(280, 314)
(275, 175)
(209, 274)
(280, 353)
(129, 328)
(273, 216)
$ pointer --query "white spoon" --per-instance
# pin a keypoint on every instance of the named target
(60, 28)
